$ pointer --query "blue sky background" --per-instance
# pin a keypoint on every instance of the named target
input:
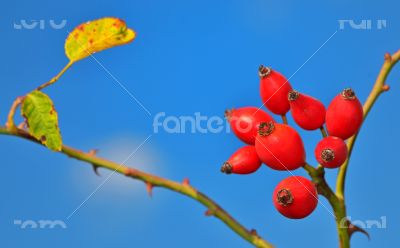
(190, 56)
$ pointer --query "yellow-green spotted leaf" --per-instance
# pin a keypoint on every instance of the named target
(42, 119)
(95, 36)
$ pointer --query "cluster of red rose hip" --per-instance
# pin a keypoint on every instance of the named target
(280, 147)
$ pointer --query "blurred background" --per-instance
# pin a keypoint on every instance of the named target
(190, 57)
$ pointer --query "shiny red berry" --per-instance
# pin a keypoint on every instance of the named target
(243, 161)
(308, 112)
(331, 152)
(344, 115)
(245, 121)
(274, 88)
(280, 147)
(295, 197)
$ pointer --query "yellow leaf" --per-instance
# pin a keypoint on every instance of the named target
(95, 36)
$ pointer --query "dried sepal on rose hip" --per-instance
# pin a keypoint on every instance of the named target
(274, 88)
(280, 147)
(295, 197)
(308, 112)
(331, 152)
(344, 115)
(245, 121)
(243, 161)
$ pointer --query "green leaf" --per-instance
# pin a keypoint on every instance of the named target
(95, 36)
(42, 119)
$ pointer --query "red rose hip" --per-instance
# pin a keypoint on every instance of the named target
(344, 115)
(295, 197)
(280, 147)
(308, 112)
(274, 88)
(245, 121)
(243, 161)
(331, 152)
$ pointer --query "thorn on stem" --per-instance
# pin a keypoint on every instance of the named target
(353, 229)
(149, 189)
(22, 125)
(388, 57)
(254, 232)
(95, 169)
(129, 172)
(93, 152)
(186, 182)
(386, 87)
(209, 212)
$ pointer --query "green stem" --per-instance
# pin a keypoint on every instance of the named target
(338, 201)
(54, 79)
(284, 119)
(379, 87)
(318, 177)
(323, 132)
(342, 223)
(182, 188)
